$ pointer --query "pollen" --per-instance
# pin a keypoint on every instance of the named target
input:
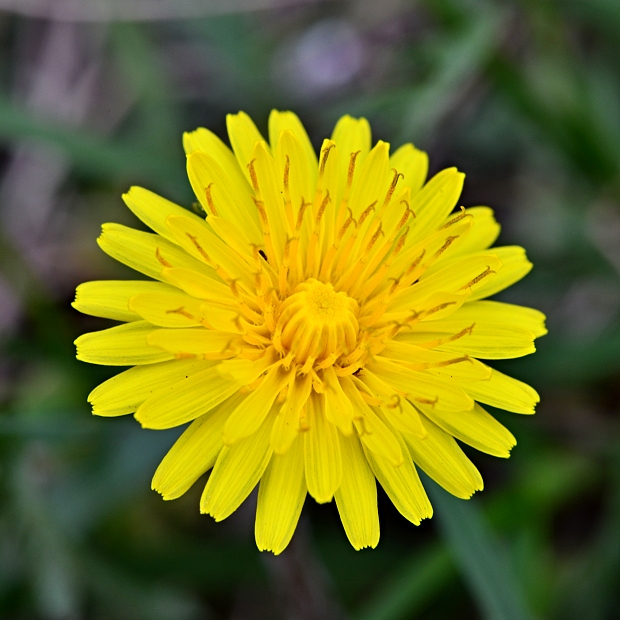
(316, 322)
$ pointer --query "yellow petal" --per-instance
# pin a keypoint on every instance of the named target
(420, 386)
(402, 484)
(193, 453)
(125, 392)
(339, 409)
(146, 252)
(289, 121)
(292, 164)
(198, 285)
(484, 232)
(450, 366)
(237, 236)
(442, 459)
(286, 425)
(249, 415)
(237, 471)
(123, 345)
(493, 342)
(197, 239)
(465, 274)
(396, 218)
(269, 193)
(327, 190)
(203, 343)
(510, 326)
(187, 399)
(418, 258)
(514, 267)
(372, 431)
(504, 392)
(435, 201)
(153, 210)
(110, 298)
(243, 136)
(435, 306)
(351, 135)
(281, 496)
(173, 309)
(206, 141)
(220, 196)
(476, 428)
(460, 276)
(412, 163)
(487, 329)
(397, 410)
(322, 452)
(178, 310)
(371, 183)
(498, 313)
(479, 340)
(356, 497)
(246, 371)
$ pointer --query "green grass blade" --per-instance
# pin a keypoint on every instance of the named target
(96, 156)
(484, 565)
(414, 585)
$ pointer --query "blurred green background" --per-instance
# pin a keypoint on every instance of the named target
(94, 96)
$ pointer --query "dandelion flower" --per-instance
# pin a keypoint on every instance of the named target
(320, 330)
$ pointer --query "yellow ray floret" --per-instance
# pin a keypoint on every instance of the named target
(320, 330)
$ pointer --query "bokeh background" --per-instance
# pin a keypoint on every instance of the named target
(523, 96)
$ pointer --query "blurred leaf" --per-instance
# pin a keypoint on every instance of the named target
(105, 11)
(65, 570)
(560, 477)
(484, 563)
(120, 469)
(457, 60)
(419, 581)
(563, 362)
(603, 13)
(60, 427)
(95, 156)
(210, 563)
(590, 589)
(156, 119)
(241, 61)
(573, 130)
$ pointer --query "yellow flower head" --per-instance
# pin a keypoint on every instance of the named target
(320, 329)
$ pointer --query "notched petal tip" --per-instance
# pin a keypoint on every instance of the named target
(208, 511)
(187, 140)
(146, 422)
(138, 419)
(322, 499)
(472, 491)
(508, 453)
(133, 189)
(156, 484)
(269, 548)
(106, 229)
(365, 545)
(167, 497)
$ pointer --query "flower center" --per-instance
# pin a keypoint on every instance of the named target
(316, 323)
